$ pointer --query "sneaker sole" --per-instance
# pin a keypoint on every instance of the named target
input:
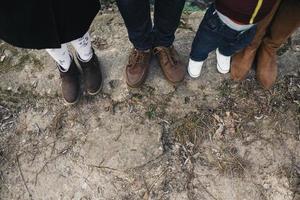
(193, 76)
(169, 80)
(220, 70)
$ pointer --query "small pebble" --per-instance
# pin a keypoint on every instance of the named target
(2, 58)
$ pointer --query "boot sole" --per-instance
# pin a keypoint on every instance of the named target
(140, 83)
(97, 92)
(66, 103)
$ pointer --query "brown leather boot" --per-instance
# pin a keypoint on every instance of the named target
(70, 84)
(92, 74)
(242, 62)
(285, 22)
(170, 63)
(137, 68)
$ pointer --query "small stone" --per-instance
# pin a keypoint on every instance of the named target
(34, 84)
(7, 53)
(2, 58)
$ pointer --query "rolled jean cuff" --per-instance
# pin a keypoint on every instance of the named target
(197, 58)
(142, 48)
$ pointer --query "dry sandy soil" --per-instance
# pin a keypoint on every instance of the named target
(205, 139)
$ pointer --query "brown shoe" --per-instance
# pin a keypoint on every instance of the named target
(170, 63)
(70, 84)
(92, 75)
(285, 22)
(137, 68)
(242, 62)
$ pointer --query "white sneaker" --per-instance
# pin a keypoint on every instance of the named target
(194, 68)
(223, 62)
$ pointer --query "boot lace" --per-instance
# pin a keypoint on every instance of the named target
(167, 52)
(136, 57)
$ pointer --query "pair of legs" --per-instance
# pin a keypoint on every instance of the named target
(213, 34)
(71, 75)
(272, 32)
(62, 55)
(144, 36)
(137, 18)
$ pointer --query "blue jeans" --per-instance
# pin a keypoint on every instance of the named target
(213, 33)
(144, 35)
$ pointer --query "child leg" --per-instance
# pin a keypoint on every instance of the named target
(206, 40)
(69, 73)
(61, 56)
(83, 47)
(89, 64)
(241, 42)
(225, 51)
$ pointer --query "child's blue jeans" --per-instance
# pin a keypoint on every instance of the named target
(213, 34)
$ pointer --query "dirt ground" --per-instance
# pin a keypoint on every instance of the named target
(205, 139)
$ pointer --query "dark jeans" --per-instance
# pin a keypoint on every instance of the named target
(213, 34)
(136, 14)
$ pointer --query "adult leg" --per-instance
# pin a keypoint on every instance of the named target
(285, 22)
(242, 61)
(136, 15)
(166, 20)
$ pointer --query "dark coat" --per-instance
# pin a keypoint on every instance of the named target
(40, 24)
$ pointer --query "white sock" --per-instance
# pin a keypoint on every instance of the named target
(83, 47)
(61, 56)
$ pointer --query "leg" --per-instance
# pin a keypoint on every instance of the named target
(61, 56)
(69, 74)
(166, 20)
(205, 41)
(229, 47)
(242, 61)
(136, 15)
(285, 22)
(207, 38)
(83, 47)
(89, 63)
(242, 41)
